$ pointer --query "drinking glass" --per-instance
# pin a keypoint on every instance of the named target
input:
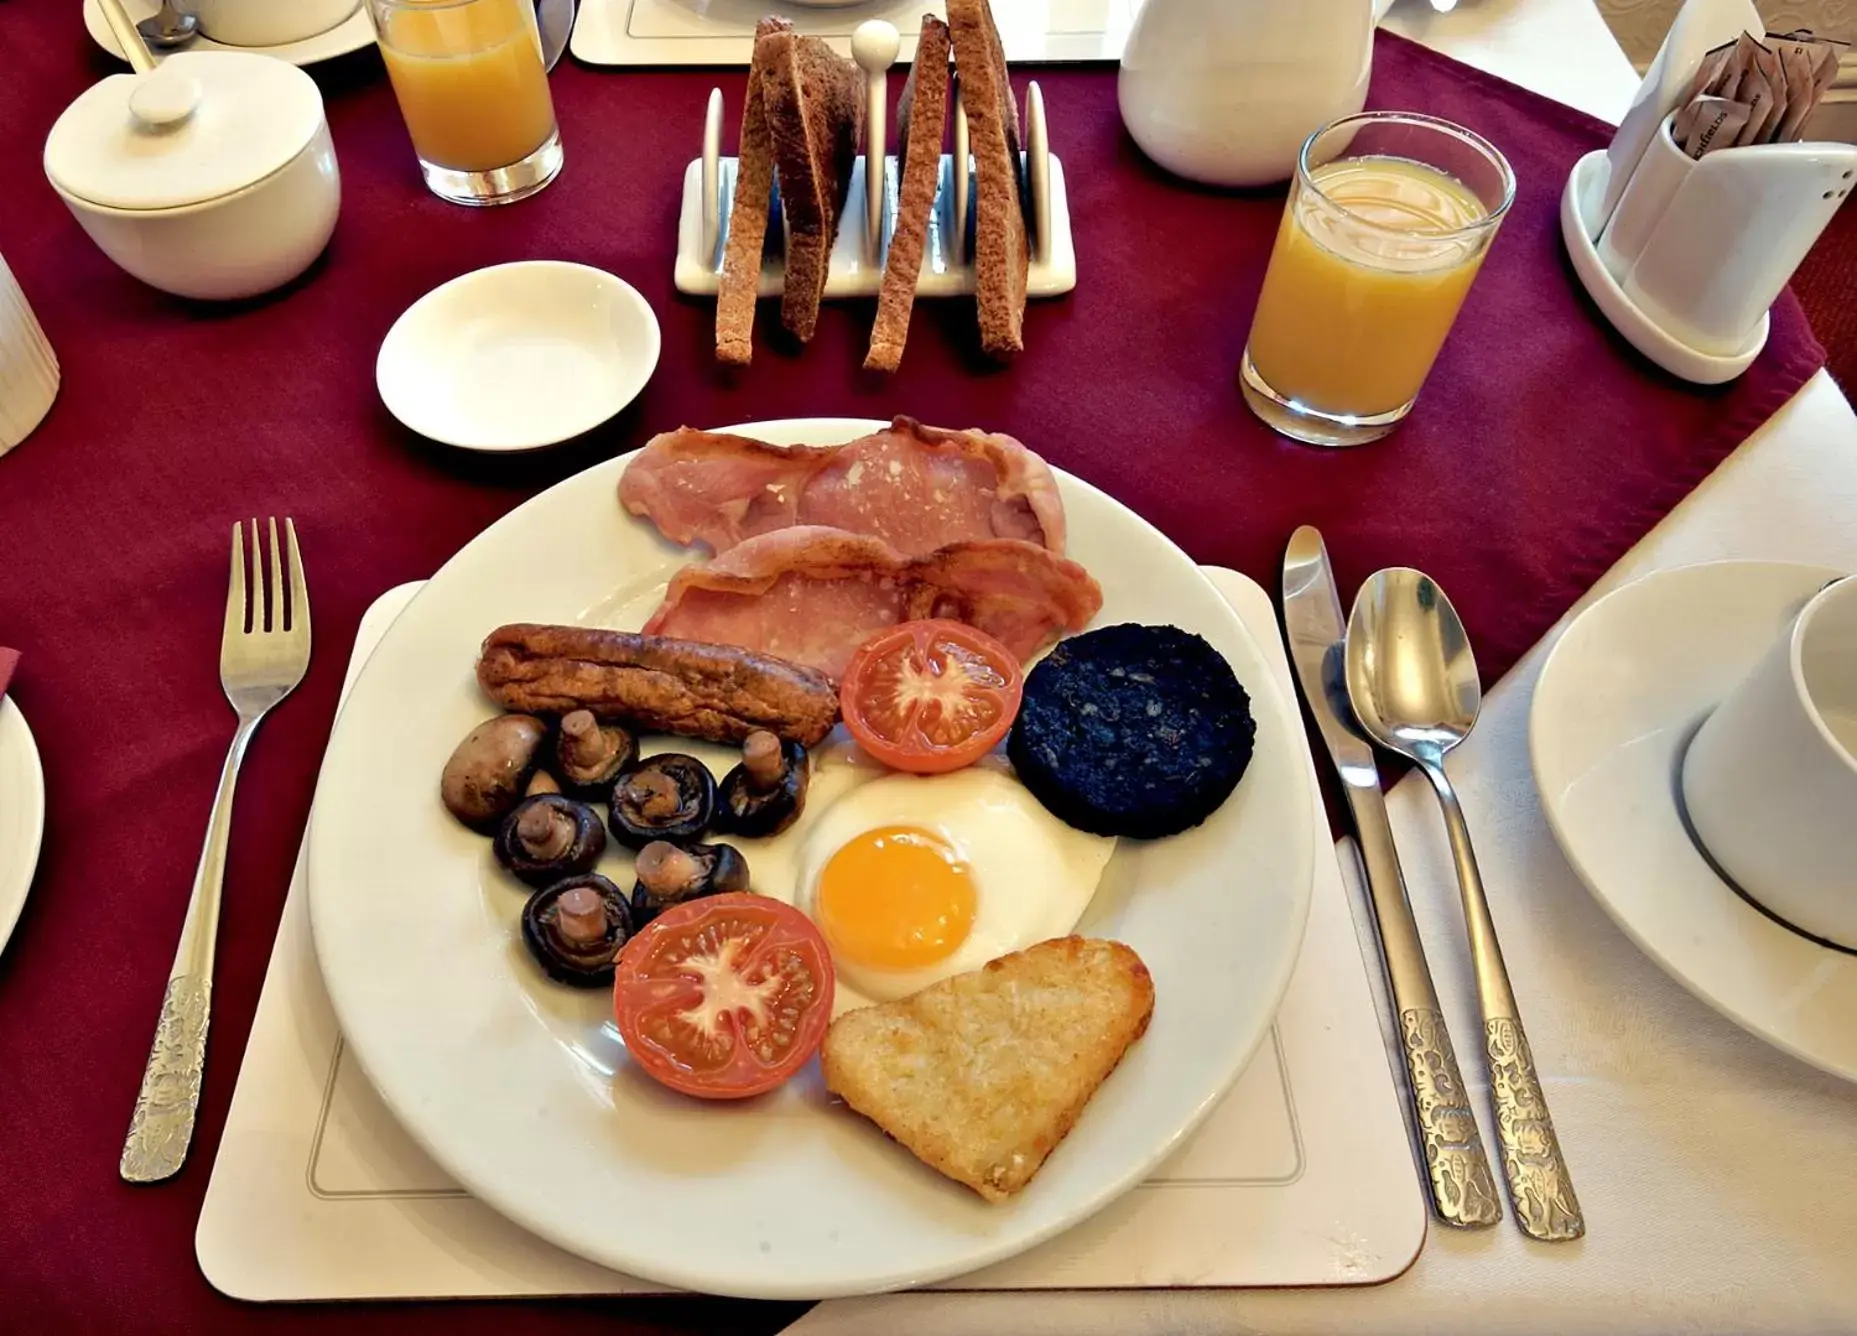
(474, 94)
(1389, 217)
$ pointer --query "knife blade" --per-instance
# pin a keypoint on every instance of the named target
(1458, 1180)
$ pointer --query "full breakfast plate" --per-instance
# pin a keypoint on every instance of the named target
(520, 1086)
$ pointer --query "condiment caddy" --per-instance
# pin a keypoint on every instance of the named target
(869, 216)
(1685, 254)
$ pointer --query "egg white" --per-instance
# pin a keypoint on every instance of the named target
(1033, 875)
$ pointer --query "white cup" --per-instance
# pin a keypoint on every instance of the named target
(1770, 780)
(268, 22)
(28, 367)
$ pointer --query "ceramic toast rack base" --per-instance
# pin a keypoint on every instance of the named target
(864, 234)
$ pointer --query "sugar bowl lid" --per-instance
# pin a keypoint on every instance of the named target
(201, 125)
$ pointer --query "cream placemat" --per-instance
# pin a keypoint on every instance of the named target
(1303, 1176)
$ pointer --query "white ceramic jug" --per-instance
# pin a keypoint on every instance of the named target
(1225, 91)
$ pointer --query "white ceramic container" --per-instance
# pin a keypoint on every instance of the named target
(212, 176)
(1225, 91)
(270, 22)
(1770, 782)
(28, 367)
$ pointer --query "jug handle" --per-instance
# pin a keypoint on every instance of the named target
(555, 20)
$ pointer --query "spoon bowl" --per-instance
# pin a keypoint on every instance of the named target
(1411, 674)
(169, 28)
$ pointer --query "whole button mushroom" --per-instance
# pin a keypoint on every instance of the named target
(668, 874)
(765, 793)
(669, 796)
(548, 837)
(589, 756)
(488, 771)
(574, 929)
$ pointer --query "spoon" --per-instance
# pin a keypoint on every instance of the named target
(1413, 683)
(169, 28)
(128, 36)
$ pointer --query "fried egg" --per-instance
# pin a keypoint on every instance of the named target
(914, 878)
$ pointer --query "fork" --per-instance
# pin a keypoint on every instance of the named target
(261, 659)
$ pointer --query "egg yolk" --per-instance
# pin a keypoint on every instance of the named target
(898, 897)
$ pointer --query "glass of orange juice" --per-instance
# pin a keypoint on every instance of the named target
(1388, 220)
(474, 93)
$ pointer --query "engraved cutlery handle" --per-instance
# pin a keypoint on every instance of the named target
(1539, 1186)
(161, 1129)
(1457, 1169)
(1540, 1189)
(1463, 1191)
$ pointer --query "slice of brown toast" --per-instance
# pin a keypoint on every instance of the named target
(754, 187)
(982, 1075)
(921, 121)
(814, 100)
(1001, 248)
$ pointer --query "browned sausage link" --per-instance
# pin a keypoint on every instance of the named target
(721, 693)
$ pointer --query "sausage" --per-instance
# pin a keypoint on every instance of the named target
(721, 693)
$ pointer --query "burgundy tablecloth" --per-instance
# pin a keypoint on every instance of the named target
(1542, 449)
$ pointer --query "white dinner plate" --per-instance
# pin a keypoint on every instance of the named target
(355, 32)
(520, 1089)
(1616, 704)
(22, 814)
(518, 356)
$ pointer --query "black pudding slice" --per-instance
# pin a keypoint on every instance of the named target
(1133, 730)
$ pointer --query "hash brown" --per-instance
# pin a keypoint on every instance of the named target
(981, 1076)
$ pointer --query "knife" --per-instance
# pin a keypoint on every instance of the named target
(1457, 1171)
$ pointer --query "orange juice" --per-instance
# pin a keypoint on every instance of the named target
(469, 79)
(1364, 282)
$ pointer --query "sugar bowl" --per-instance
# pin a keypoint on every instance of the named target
(211, 175)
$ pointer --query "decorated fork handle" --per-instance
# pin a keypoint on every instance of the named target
(161, 1129)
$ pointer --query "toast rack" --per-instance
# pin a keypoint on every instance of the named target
(869, 216)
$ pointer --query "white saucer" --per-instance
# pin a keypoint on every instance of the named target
(353, 34)
(1614, 709)
(518, 356)
(22, 814)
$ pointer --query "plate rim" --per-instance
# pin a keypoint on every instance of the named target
(906, 1276)
(632, 295)
(1676, 964)
(13, 904)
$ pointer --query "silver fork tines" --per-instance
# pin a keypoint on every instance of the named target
(264, 651)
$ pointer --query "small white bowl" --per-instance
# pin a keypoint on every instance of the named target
(518, 356)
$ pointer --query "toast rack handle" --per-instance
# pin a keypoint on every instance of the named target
(874, 46)
(1038, 170)
(712, 178)
(960, 178)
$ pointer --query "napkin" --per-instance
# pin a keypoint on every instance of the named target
(9, 660)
